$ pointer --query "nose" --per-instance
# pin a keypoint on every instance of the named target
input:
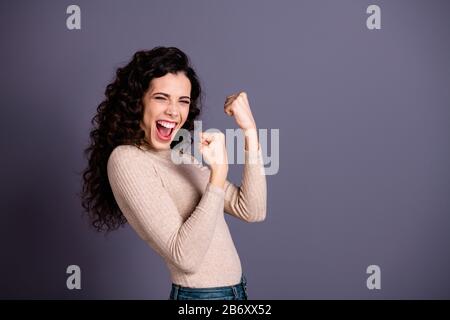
(172, 109)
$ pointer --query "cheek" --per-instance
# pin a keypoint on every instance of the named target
(185, 114)
(149, 115)
(147, 121)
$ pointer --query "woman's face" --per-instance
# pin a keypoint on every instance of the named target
(166, 107)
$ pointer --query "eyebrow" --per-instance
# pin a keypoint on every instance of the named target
(168, 95)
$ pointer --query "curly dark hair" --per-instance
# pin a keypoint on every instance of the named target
(117, 122)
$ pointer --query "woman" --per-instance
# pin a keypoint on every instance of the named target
(178, 209)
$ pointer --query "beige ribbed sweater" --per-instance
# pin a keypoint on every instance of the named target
(180, 214)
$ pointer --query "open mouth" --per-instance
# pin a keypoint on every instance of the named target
(165, 129)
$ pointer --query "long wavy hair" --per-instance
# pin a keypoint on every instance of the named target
(117, 122)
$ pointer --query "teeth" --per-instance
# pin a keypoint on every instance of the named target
(166, 124)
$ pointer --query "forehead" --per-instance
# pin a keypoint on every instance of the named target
(173, 84)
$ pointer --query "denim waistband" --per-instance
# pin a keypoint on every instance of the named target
(236, 290)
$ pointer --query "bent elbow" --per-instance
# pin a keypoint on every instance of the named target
(256, 219)
(187, 265)
(261, 216)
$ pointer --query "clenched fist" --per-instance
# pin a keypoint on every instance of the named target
(237, 106)
(213, 149)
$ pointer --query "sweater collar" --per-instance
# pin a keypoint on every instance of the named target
(165, 154)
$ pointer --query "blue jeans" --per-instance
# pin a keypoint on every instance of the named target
(236, 292)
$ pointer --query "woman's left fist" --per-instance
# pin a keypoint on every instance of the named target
(237, 105)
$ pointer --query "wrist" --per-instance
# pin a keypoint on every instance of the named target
(218, 178)
(251, 140)
(250, 129)
(219, 170)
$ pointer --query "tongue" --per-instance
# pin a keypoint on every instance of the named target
(164, 131)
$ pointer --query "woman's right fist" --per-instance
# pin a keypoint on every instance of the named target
(213, 149)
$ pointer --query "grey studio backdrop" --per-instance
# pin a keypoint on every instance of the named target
(364, 123)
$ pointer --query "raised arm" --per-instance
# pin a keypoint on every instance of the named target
(249, 201)
(149, 209)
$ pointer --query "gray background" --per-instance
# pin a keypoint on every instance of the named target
(364, 121)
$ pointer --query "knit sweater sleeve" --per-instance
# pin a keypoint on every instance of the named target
(150, 210)
(248, 201)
